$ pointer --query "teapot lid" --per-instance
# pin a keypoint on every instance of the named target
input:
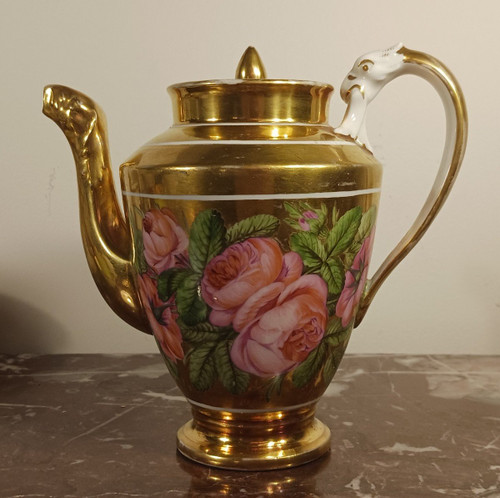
(251, 97)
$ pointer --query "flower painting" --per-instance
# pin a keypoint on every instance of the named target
(279, 326)
(165, 242)
(238, 302)
(355, 281)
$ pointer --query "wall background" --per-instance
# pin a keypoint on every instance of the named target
(444, 298)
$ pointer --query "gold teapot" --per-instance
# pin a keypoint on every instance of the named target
(245, 243)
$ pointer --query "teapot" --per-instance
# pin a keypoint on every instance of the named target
(245, 242)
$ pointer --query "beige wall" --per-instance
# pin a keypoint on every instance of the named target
(444, 298)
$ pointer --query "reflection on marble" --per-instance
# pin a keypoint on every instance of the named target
(101, 425)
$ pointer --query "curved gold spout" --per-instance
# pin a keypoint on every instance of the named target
(106, 239)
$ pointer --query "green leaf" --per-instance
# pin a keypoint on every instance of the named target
(335, 334)
(204, 332)
(274, 387)
(331, 306)
(329, 369)
(139, 211)
(233, 379)
(191, 307)
(335, 339)
(343, 233)
(139, 259)
(338, 354)
(318, 227)
(335, 215)
(260, 225)
(319, 224)
(294, 224)
(309, 248)
(323, 210)
(348, 257)
(206, 239)
(366, 225)
(334, 326)
(202, 371)
(332, 272)
(308, 369)
(323, 232)
(292, 210)
(338, 338)
(170, 280)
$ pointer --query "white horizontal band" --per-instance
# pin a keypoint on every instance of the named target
(271, 141)
(258, 410)
(256, 197)
(253, 123)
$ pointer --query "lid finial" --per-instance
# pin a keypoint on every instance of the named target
(250, 66)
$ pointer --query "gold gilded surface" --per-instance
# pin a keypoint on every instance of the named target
(254, 441)
(447, 86)
(251, 169)
(250, 66)
(105, 234)
(249, 159)
(251, 98)
(277, 101)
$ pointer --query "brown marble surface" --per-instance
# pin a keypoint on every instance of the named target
(100, 426)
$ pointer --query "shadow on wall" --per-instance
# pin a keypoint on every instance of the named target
(27, 329)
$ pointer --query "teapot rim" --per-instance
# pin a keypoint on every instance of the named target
(250, 100)
(250, 82)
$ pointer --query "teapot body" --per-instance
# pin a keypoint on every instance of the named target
(251, 252)
(237, 226)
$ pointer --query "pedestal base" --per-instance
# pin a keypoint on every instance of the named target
(250, 440)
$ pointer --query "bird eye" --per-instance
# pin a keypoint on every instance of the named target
(365, 65)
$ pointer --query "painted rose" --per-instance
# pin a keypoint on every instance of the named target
(161, 317)
(355, 281)
(307, 215)
(165, 242)
(279, 326)
(240, 271)
(291, 268)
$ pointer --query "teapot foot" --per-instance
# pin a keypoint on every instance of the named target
(253, 440)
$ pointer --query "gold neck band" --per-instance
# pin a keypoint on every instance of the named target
(258, 100)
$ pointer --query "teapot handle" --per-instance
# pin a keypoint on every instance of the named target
(368, 76)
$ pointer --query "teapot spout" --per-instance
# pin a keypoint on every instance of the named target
(106, 239)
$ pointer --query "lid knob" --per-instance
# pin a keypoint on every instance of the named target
(250, 66)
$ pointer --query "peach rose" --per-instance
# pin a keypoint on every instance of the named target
(280, 325)
(355, 281)
(161, 317)
(165, 242)
(240, 271)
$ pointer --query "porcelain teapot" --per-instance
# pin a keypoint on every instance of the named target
(245, 242)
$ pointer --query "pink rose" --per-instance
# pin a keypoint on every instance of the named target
(291, 268)
(240, 271)
(161, 317)
(355, 281)
(279, 326)
(165, 242)
(307, 215)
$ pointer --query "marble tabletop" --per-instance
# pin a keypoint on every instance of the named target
(101, 425)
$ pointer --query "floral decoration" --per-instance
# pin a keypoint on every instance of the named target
(165, 242)
(162, 318)
(355, 281)
(233, 302)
